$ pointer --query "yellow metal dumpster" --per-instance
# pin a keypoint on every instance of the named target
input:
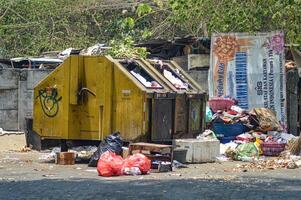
(190, 102)
(89, 97)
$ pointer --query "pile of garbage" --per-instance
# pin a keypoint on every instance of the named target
(250, 136)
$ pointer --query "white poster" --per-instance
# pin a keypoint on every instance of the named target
(249, 68)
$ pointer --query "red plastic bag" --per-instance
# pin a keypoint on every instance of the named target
(110, 164)
(137, 160)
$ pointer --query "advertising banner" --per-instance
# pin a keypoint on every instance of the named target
(249, 68)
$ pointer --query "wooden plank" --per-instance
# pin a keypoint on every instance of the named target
(151, 145)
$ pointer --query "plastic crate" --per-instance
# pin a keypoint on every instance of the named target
(219, 103)
(272, 148)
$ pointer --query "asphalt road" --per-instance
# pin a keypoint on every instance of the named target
(24, 176)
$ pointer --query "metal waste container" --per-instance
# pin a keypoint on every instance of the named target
(190, 102)
(89, 97)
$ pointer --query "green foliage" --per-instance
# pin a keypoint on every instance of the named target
(29, 27)
(125, 49)
(203, 17)
(143, 9)
(34, 26)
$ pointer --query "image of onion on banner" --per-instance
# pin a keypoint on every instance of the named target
(249, 68)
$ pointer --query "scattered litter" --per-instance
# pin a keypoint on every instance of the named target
(48, 175)
(222, 158)
(207, 135)
(26, 149)
(270, 164)
(83, 153)
(164, 166)
(3, 132)
(176, 164)
(91, 170)
(97, 49)
(292, 165)
(50, 156)
(176, 174)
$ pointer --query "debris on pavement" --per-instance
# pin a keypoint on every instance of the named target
(177, 165)
(26, 148)
(83, 153)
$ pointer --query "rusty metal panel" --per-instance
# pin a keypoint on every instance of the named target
(181, 107)
(194, 118)
(162, 120)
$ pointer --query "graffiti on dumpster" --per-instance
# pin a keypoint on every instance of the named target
(49, 100)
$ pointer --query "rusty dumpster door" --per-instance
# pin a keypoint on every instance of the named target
(162, 121)
(181, 115)
(194, 118)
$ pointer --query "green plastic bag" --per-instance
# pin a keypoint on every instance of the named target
(247, 150)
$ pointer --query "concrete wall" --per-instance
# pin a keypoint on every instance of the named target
(197, 66)
(16, 96)
(201, 77)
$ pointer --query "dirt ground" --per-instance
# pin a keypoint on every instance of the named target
(24, 176)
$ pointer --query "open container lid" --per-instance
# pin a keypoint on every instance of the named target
(174, 76)
(143, 76)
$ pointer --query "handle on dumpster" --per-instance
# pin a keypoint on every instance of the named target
(80, 93)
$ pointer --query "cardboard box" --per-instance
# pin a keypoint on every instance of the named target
(65, 158)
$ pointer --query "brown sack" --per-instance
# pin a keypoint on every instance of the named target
(266, 119)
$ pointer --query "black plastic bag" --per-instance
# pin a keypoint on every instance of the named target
(112, 143)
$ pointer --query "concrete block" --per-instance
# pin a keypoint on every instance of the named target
(199, 151)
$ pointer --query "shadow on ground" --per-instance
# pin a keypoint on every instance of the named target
(246, 188)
